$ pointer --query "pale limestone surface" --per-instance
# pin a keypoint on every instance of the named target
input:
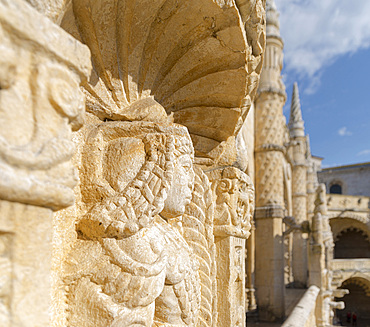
(155, 232)
(139, 245)
(269, 180)
(352, 178)
(41, 104)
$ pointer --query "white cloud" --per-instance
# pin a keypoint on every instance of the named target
(364, 152)
(316, 32)
(344, 131)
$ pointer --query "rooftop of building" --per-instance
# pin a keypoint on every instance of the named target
(352, 166)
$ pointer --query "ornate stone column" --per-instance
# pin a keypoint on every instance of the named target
(299, 188)
(320, 257)
(234, 204)
(41, 67)
(250, 278)
(269, 155)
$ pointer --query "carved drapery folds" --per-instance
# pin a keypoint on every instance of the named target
(128, 264)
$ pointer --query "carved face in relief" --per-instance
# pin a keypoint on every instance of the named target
(232, 202)
(180, 192)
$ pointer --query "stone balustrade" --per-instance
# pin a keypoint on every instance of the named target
(304, 312)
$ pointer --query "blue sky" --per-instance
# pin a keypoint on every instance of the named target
(327, 51)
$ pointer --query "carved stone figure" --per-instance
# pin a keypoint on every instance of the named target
(128, 262)
(234, 204)
(234, 207)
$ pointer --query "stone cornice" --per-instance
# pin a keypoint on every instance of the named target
(269, 211)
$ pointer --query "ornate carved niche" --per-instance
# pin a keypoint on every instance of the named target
(40, 104)
(233, 194)
(131, 263)
(234, 205)
(194, 58)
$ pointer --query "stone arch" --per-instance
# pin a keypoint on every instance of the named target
(360, 280)
(339, 223)
(352, 243)
(351, 234)
(358, 299)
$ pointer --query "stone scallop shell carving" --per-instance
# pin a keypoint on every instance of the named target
(188, 57)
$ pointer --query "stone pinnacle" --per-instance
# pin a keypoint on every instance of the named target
(296, 124)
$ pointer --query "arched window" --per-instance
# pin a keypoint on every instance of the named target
(352, 243)
(336, 189)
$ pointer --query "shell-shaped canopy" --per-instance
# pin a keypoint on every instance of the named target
(190, 56)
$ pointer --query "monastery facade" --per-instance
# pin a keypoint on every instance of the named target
(149, 178)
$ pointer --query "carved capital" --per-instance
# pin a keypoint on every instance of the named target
(234, 194)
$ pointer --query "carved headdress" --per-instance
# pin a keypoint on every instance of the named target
(132, 190)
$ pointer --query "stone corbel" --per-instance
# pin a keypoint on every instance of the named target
(339, 293)
(337, 305)
(289, 221)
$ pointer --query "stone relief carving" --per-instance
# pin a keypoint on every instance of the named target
(197, 59)
(234, 207)
(197, 228)
(128, 261)
(40, 82)
(145, 251)
(41, 69)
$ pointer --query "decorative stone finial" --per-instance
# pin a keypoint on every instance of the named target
(272, 19)
(296, 124)
(308, 147)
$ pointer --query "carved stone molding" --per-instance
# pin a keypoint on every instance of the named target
(39, 86)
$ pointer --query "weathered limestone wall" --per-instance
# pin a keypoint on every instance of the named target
(41, 104)
(353, 178)
(162, 190)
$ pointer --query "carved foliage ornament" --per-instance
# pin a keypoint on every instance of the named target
(40, 103)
